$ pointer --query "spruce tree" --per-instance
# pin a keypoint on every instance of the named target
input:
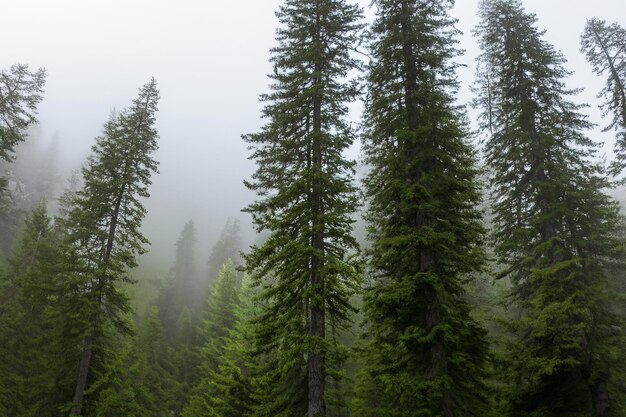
(604, 46)
(104, 223)
(180, 289)
(138, 378)
(554, 227)
(306, 197)
(225, 389)
(227, 247)
(20, 93)
(426, 354)
(220, 315)
(29, 356)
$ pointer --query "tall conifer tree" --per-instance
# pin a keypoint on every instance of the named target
(307, 196)
(426, 355)
(554, 227)
(605, 48)
(104, 227)
(20, 93)
(180, 290)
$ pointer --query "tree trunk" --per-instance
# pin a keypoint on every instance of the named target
(83, 372)
(316, 361)
(601, 400)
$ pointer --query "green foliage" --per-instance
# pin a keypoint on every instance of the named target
(139, 379)
(304, 183)
(20, 93)
(180, 290)
(226, 390)
(604, 46)
(555, 230)
(220, 315)
(227, 247)
(31, 376)
(103, 227)
(426, 356)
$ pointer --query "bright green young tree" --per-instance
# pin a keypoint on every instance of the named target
(604, 46)
(306, 197)
(554, 227)
(139, 379)
(426, 355)
(103, 224)
(226, 389)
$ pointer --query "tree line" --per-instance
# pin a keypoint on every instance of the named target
(454, 304)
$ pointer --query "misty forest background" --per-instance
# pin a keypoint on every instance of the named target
(471, 262)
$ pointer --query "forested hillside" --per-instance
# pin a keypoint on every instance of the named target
(470, 262)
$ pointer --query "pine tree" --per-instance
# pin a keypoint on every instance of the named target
(31, 359)
(20, 93)
(306, 195)
(605, 48)
(426, 354)
(104, 228)
(139, 379)
(226, 390)
(220, 314)
(227, 247)
(180, 289)
(554, 227)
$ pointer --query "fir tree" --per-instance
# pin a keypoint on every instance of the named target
(227, 247)
(139, 379)
(426, 354)
(554, 227)
(306, 197)
(220, 315)
(605, 48)
(29, 356)
(226, 390)
(180, 289)
(104, 227)
(20, 93)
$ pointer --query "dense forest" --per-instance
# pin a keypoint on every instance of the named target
(471, 263)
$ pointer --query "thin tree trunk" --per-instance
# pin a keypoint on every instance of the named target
(316, 361)
(85, 361)
(83, 372)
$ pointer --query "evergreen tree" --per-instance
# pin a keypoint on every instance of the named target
(220, 315)
(306, 198)
(139, 379)
(605, 48)
(180, 289)
(227, 247)
(28, 357)
(20, 93)
(554, 227)
(226, 389)
(104, 228)
(426, 354)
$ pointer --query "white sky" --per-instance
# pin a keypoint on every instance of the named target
(210, 58)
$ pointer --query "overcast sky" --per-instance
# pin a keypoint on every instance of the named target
(210, 58)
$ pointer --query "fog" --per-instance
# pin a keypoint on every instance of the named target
(210, 59)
